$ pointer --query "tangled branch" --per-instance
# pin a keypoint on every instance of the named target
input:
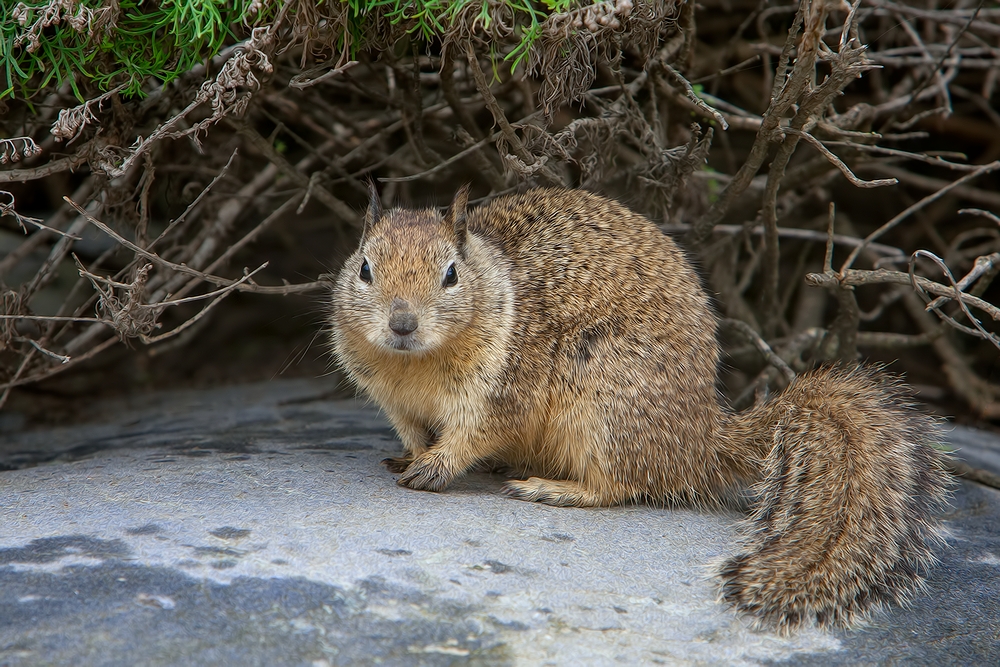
(242, 145)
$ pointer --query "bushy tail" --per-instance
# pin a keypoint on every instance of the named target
(844, 514)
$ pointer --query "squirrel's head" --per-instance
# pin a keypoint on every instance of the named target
(407, 288)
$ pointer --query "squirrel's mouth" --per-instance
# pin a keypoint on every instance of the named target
(404, 343)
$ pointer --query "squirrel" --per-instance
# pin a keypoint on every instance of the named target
(558, 332)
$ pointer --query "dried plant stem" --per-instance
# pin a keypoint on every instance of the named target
(978, 331)
(278, 214)
(702, 228)
(479, 145)
(985, 169)
(959, 17)
(982, 266)
(339, 208)
(976, 392)
(895, 341)
(182, 268)
(761, 346)
(29, 355)
(965, 471)
(476, 147)
(217, 296)
(48, 269)
(193, 205)
(18, 381)
(450, 94)
(839, 164)
(791, 233)
(500, 117)
(853, 277)
(977, 195)
(935, 160)
(30, 244)
(792, 350)
(47, 169)
(693, 97)
(491, 103)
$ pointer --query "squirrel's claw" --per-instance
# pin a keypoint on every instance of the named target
(397, 464)
(427, 472)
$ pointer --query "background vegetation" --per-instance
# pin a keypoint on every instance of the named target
(832, 168)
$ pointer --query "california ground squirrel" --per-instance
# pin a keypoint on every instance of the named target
(558, 332)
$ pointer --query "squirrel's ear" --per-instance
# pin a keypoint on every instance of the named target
(455, 217)
(374, 212)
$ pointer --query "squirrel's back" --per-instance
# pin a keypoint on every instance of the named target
(580, 256)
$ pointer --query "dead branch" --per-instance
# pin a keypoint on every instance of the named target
(761, 346)
(637, 99)
(978, 331)
(839, 164)
(47, 169)
(856, 277)
(985, 169)
(182, 268)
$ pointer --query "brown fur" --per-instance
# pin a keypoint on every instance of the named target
(578, 344)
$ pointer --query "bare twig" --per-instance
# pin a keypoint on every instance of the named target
(752, 60)
(747, 331)
(531, 163)
(693, 97)
(779, 104)
(194, 204)
(935, 160)
(181, 268)
(839, 164)
(978, 211)
(853, 277)
(62, 359)
(339, 208)
(218, 295)
(978, 331)
(306, 79)
(791, 233)
(965, 471)
(896, 341)
(977, 195)
(982, 266)
(479, 145)
(959, 17)
(985, 169)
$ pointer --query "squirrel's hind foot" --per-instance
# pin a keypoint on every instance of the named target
(562, 493)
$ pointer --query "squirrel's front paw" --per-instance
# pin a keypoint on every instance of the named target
(428, 472)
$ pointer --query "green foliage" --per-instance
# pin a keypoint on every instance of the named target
(127, 42)
(714, 186)
(141, 40)
(431, 19)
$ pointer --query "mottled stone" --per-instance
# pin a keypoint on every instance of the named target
(255, 526)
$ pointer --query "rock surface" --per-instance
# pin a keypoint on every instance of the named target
(254, 526)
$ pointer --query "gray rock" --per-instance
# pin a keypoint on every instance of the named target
(254, 525)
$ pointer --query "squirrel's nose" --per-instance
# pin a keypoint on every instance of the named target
(402, 320)
(403, 323)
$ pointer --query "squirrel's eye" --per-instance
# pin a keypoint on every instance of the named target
(451, 276)
(366, 273)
